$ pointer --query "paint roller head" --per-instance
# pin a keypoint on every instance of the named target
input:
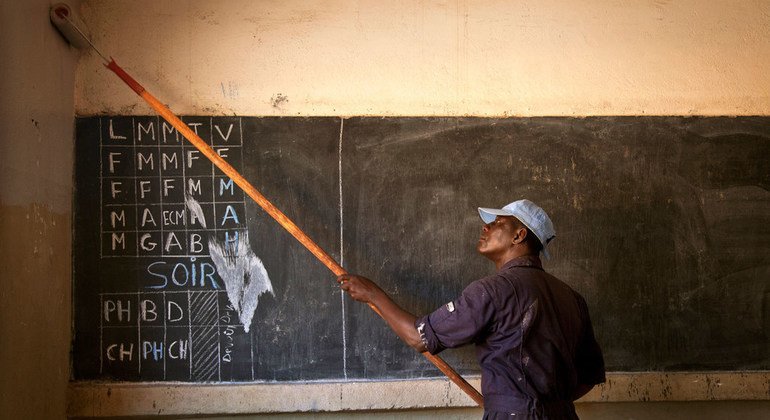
(62, 18)
(71, 28)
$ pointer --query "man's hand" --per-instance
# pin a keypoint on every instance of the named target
(360, 288)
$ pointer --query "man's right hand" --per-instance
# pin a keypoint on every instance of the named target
(360, 288)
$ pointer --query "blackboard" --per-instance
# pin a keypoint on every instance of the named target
(663, 224)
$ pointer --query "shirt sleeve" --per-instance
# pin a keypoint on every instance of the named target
(459, 322)
(589, 359)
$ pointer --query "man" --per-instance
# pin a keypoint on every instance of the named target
(533, 336)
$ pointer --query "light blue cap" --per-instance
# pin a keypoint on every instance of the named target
(528, 213)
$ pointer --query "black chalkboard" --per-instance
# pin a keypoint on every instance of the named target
(663, 224)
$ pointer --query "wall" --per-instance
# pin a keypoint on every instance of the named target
(347, 57)
(344, 57)
(37, 76)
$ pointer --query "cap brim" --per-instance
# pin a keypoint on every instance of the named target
(489, 215)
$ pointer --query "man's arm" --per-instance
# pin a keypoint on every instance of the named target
(400, 321)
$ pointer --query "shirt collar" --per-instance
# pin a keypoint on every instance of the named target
(524, 261)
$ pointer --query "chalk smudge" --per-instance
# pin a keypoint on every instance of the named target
(243, 273)
(196, 212)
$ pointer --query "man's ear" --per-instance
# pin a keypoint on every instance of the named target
(520, 234)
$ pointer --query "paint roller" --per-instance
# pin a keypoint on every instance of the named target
(73, 30)
(71, 27)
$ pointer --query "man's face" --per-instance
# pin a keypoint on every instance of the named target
(497, 237)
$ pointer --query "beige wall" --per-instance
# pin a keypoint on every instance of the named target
(37, 75)
(372, 57)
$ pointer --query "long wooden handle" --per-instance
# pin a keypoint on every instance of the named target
(271, 209)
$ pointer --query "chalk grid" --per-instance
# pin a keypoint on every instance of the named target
(145, 169)
(143, 180)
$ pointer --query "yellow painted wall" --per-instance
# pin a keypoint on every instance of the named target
(481, 58)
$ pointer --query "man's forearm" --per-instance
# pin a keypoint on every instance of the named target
(400, 321)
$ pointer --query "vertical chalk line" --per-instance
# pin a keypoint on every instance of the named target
(101, 333)
(189, 335)
(160, 184)
(138, 296)
(246, 217)
(136, 197)
(188, 248)
(251, 341)
(165, 332)
(139, 332)
(342, 258)
(219, 328)
(213, 179)
(101, 245)
(101, 191)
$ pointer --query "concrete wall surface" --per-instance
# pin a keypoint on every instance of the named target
(112, 399)
(595, 411)
(756, 410)
(37, 75)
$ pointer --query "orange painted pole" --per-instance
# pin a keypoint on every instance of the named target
(271, 209)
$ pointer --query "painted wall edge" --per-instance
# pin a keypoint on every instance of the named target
(103, 399)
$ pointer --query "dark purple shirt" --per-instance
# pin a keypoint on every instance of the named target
(533, 336)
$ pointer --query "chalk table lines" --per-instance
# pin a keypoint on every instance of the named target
(132, 324)
(203, 310)
(146, 171)
(146, 174)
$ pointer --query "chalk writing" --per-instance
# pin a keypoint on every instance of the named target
(193, 274)
(146, 173)
(181, 321)
(149, 331)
